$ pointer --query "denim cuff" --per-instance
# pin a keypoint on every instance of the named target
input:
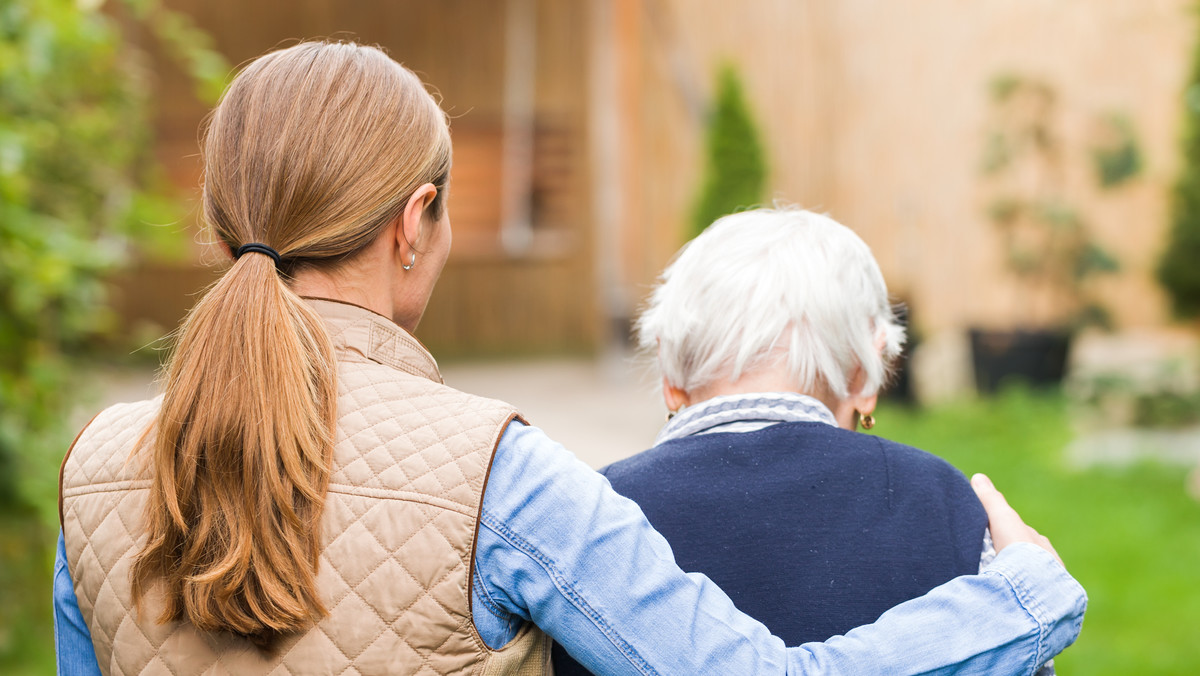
(1054, 599)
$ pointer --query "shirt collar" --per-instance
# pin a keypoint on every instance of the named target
(355, 329)
(766, 408)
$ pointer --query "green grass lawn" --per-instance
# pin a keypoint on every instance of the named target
(1130, 536)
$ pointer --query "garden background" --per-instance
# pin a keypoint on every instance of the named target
(1026, 172)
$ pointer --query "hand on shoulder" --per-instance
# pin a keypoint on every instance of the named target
(1006, 525)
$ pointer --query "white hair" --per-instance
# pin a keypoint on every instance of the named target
(773, 288)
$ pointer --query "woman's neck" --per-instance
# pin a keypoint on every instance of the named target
(367, 280)
(346, 288)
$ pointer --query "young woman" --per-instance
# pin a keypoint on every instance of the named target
(308, 497)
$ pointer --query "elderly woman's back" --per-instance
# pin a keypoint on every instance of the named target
(774, 334)
(847, 523)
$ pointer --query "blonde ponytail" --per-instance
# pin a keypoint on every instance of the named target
(312, 151)
(242, 459)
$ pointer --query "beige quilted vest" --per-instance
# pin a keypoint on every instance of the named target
(410, 463)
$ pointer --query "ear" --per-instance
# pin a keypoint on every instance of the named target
(847, 411)
(866, 405)
(413, 221)
(674, 397)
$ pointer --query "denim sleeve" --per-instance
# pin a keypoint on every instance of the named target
(985, 559)
(72, 640)
(558, 547)
(1020, 612)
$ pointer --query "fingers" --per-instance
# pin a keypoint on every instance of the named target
(1005, 523)
(1002, 519)
(1044, 542)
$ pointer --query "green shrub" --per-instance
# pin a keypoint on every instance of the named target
(77, 186)
(1117, 158)
(72, 135)
(1178, 270)
(735, 170)
(1048, 245)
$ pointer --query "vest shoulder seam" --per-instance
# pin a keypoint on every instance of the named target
(107, 487)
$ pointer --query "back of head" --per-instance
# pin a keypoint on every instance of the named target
(315, 148)
(312, 150)
(773, 288)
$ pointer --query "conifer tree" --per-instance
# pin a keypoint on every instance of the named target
(735, 169)
(1179, 268)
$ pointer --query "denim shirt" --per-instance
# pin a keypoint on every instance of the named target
(558, 547)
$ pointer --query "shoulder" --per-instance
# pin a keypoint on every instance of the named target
(639, 463)
(813, 445)
(101, 449)
(902, 462)
(377, 399)
(922, 480)
(533, 474)
(908, 461)
(367, 383)
(528, 451)
(124, 414)
(117, 426)
(404, 432)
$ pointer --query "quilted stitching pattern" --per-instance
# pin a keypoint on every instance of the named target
(409, 467)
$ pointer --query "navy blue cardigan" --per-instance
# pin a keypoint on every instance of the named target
(809, 528)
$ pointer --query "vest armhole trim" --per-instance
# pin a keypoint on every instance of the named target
(62, 468)
(475, 536)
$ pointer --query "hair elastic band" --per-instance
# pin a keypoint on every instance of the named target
(255, 247)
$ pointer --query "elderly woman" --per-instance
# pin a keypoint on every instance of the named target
(307, 496)
(774, 335)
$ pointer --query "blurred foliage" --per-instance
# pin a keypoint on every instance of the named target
(1048, 245)
(1166, 409)
(78, 188)
(735, 170)
(1130, 535)
(189, 45)
(1166, 395)
(1178, 269)
(1117, 156)
(73, 127)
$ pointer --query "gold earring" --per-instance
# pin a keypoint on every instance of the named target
(867, 421)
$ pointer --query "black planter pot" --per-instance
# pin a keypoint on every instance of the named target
(1035, 357)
